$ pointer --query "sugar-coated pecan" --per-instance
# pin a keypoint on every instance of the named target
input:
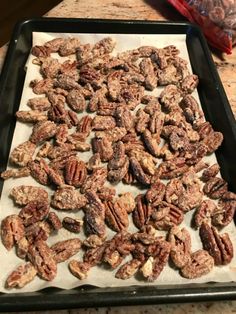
(126, 200)
(21, 276)
(116, 175)
(94, 256)
(128, 270)
(75, 172)
(23, 153)
(54, 44)
(213, 141)
(194, 153)
(63, 250)
(38, 171)
(113, 135)
(40, 51)
(101, 123)
(55, 176)
(93, 241)
(154, 265)
(41, 256)
(215, 187)
(138, 171)
(79, 269)
(34, 212)
(119, 157)
(22, 248)
(189, 83)
(94, 218)
(218, 245)
(39, 231)
(42, 86)
(170, 97)
(114, 84)
(204, 129)
(31, 116)
(75, 99)
(66, 197)
(95, 181)
(106, 193)
(225, 213)
(151, 142)
(39, 103)
(12, 231)
(68, 46)
(155, 193)
(147, 69)
(124, 118)
(170, 169)
(147, 235)
(15, 173)
(166, 215)
(65, 81)
(180, 242)
(156, 123)
(205, 212)
(43, 150)
(54, 221)
(131, 95)
(210, 172)
(142, 120)
(62, 134)
(23, 194)
(94, 162)
(71, 224)
(200, 264)
(85, 125)
(142, 211)
(103, 147)
(116, 216)
(191, 110)
(145, 159)
(43, 131)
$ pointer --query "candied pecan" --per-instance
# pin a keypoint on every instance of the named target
(54, 221)
(54, 44)
(171, 169)
(142, 211)
(147, 69)
(116, 216)
(39, 231)
(151, 142)
(215, 187)
(106, 193)
(62, 134)
(54, 175)
(22, 248)
(103, 147)
(103, 123)
(23, 194)
(189, 83)
(204, 212)
(194, 153)
(116, 175)
(93, 241)
(62, 151)
(103, 46)
(41, 256)
(145, 159)
(213, 141)
(23, 153)
(21, 276)
(126, 200)
(49, 67)
(156, 123)
(75, 99)
(67, 198)
(40, 51)
(91, 76)
(178, 140)
(12, 231)
(200, 264)
(170, 97)
(43, 131)
(38, 171)
(131, 95)
(154, 265)
(166, 215)
(42, 86)
(142, 120)
(31, 116)
(138, 172)
(204, 129)
(75, 172)
(155, 193)
(94, 162)
(71, 224)
(76, 137)
(85, 125)
(124, 117)
(94, 256)
(34, 212)
(225, 213)
(105, 108)
(113, 135)
(43, 150)
(129, 178)
(180, 242)
(128, 269)
(63, 250)
(94, 215)
(68, 46)
(219, 246)
(70, 68)
(119, 156)
(66, 82)
(210, 172)
(97, 99)
(114, 84)
(95, 181)
(15, 173)
(39, 103)
(79, 269)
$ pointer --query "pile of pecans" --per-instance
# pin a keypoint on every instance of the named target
(156, 143)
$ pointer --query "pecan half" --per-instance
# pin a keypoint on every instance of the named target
(31, 116)
(79, 269)
(21, 276)
(67, 198)
(210, 172)
(95, 181)
(200, 264)
(23, 153)
(54, 221)
(75, 99)
(39, 103)
(215, 187)
(12, 231)
(126, 200)
(225, 213)
(103, 147)
(41, 256)
(43, 131)
(142, 211)
(101, 123)
(23, 194)
(138, 172)
(116, 216)
(72, 225)
(155, 193)
(15, 173)
(34, 212)
(219, 246)
(204, 212)
(75, 172)
(63, 250)
(128, 270)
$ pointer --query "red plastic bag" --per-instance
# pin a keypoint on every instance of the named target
(217, 18)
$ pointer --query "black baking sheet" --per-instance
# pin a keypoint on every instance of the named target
(216, 108)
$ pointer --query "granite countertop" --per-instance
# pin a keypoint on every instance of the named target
(226, 65)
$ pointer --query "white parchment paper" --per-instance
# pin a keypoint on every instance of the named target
(98, 276)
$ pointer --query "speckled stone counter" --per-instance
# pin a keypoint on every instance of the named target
(226, 65)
